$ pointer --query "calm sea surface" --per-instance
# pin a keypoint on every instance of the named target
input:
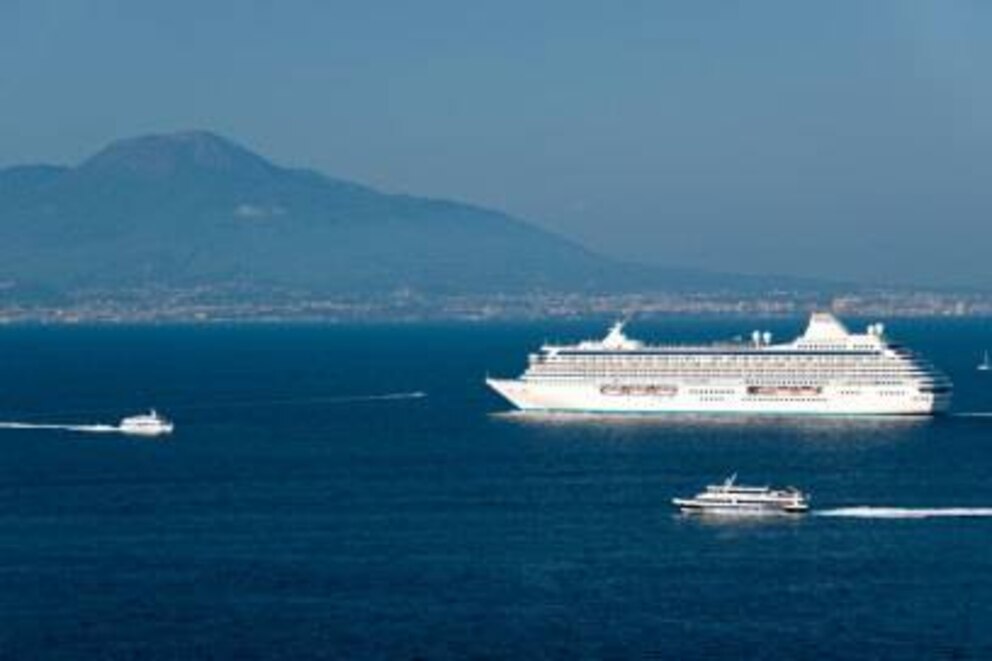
(289, 517)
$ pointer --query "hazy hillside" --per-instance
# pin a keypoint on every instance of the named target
(193, 209)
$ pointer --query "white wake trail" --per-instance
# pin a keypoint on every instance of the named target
(330, 399)
(906, 512)
(95, 429)
(376, 398)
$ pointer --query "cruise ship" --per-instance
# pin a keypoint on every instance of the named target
(827, 370)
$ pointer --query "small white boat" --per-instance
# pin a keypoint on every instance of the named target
(985, 365)
(730, 499)
(146, 424)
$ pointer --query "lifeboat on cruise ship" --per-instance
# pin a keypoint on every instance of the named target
(784, 391)
(618, 390)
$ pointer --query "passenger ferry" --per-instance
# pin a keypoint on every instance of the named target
(732, 499)
(146, 424)
(827, 370)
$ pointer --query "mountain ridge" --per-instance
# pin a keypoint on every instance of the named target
(195, 209)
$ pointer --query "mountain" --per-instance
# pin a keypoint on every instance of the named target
(193, 209)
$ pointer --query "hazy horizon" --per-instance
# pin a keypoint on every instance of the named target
(842, 141)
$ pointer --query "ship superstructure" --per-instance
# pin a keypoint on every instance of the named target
(826, 370)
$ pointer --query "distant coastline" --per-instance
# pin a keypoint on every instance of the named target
(191, 227)
(161, 305)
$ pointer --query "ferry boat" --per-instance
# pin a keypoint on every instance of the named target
(827, 370)
(733, 499)
(146, 424)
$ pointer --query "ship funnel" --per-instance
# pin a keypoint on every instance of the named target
(616, 339)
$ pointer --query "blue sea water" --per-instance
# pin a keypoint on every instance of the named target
(288, 517)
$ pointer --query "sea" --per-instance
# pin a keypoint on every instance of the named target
(355, 492)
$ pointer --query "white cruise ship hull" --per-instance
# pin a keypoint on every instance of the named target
(590, 398)
(825, 371)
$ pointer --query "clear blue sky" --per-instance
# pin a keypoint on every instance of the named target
(844, 138)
